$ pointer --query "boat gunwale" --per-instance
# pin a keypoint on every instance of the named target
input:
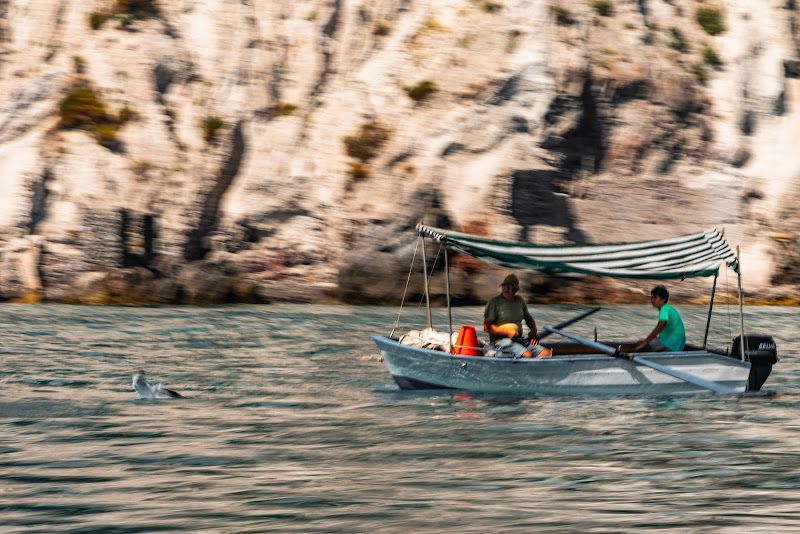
(565, 358)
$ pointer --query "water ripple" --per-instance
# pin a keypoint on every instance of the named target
(282, 432)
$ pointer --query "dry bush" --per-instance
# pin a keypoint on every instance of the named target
(284, 108)
(365, 144)
(82, 109)
(358, 172)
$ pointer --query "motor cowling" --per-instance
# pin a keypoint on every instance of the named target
(762, 353)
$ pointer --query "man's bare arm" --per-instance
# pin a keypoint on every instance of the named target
(652, 335)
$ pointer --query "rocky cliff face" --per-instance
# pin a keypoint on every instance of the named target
(191, 152)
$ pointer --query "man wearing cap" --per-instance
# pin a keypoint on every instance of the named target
(503, 317)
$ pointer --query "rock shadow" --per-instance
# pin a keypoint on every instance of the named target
(536, 199)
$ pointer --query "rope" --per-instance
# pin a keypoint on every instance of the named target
(422, 297)
(728, 301)
(408, 279)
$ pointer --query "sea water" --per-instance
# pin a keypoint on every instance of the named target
(291, 423)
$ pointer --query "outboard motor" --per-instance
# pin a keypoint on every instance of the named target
(762, 353)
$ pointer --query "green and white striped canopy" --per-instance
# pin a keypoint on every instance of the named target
(687, 256)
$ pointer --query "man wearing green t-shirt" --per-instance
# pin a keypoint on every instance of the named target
(669, 334)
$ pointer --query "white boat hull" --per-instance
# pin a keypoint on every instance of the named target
(594, 374)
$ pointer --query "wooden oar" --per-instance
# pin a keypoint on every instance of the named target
(570, 321)
(611, 351)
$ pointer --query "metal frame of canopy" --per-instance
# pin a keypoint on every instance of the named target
(720, 252)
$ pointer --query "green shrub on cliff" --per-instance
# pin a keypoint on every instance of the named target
(421, 91)
(365, 144)
(679, 41)
(79, 64)
(604, 8)
(700, 72)
(711, 57)
(710, 19)
(126, 20)
(562, 15)
(127, 113)
(210, 127)
(381, 28)
(96, 19)
(106, 135)
(492, 7)
(139, 8)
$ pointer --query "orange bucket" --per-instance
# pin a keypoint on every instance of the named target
(467, 338)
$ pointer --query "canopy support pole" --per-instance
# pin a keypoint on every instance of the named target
(741, 309)
(427, 293)
(710, 308)
(449, 309)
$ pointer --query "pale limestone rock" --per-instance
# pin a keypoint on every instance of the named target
(594, 131)
(19, 261)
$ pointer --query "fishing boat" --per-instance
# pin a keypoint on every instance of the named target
(579, 366)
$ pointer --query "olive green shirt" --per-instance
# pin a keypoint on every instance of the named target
(499, 311)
